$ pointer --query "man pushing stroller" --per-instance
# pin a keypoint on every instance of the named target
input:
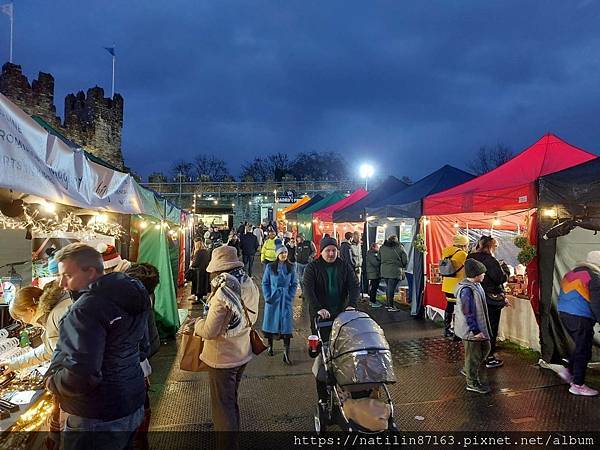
(331, 287)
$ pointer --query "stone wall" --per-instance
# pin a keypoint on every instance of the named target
(91, 120)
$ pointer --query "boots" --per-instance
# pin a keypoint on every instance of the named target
(447, 324)
(270, 351)
(286, 353)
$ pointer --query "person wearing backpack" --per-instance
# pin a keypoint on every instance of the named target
(452, 269)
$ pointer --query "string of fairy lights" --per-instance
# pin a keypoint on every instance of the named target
(46, 220)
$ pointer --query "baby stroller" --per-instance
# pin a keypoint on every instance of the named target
(357, 366)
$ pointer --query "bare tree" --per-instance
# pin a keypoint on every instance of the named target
(182, 171)
(210, 168)
(270, 167)
(488, 158)
(321, 166)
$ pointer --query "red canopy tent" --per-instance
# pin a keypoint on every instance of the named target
(324, 218)
(500, 199)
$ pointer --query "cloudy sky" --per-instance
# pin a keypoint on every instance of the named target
(407, 85)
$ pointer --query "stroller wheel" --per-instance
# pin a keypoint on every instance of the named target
(320, 419)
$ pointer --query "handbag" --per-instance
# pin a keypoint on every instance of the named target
(256, 342)
(496, 299)
(192, 346)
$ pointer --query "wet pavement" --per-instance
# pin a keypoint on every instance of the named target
(429, 395)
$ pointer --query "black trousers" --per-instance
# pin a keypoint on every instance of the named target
(248, 263)
(373, 286)
(581, 330)
(494, 313)
(450, 303)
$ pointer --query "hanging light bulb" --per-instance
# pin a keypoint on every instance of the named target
(143, 224)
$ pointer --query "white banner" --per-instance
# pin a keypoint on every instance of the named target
(35, 162)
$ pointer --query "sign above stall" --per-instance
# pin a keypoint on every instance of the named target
(33, 161)
(288, 196)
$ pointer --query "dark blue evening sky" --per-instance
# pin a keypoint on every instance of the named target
(408, 85)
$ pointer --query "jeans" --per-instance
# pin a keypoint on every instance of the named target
(581, 330)
(300, 272)
(373, 286)
(248, 263)
(449, 312)
(494, 314)
(475, 354)
(390, 290)
(82, 433)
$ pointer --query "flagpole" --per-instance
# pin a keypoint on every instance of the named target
(12, 18)
(114, 57)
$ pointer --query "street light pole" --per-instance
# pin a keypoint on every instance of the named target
(366, 171)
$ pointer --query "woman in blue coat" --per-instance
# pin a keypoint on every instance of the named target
(279, 285)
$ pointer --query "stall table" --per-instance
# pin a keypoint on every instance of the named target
(518, 323)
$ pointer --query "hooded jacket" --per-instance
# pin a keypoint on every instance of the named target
(471, 315)
(458, 257)
(95, 369)
(267, 253)
(373, 265)
(580, 292)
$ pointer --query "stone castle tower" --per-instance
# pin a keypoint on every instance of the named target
(91, 120)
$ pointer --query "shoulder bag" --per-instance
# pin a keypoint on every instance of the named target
(258, 345)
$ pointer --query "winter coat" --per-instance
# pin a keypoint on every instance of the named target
(200, 281)
(49, 321)
(393, 260)
(235, 243)
(95, 370)
(458, 257)
(249, 244)
(316, 282)
(279, 290)
(259, 236)
(356, 254)
(291, 251)
(346, 253)
(153, 336)
(267, 253)
(373, 261)
(474, 311)
(222, 350)
(580, 292)
(305, 251)
(494, 278)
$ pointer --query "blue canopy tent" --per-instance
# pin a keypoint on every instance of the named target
(403, 211)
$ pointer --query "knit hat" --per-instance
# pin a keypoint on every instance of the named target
(224, 258)
(110, 256)
(327, 241)
(474, 268)
(593, 257)
(281, 249)
(460, 240)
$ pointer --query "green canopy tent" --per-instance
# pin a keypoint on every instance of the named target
(158, 249)
(306, 216)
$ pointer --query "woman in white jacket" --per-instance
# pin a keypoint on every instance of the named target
(42, 308)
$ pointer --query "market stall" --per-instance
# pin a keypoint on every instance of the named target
(324, 217)
(291, 217)
(305, 219)
(50, 195)
(503, 200)
(569, 203)
(403, 211)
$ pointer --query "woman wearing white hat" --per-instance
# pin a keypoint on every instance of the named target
(226, 334)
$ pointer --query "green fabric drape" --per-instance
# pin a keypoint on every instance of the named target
(154, 249)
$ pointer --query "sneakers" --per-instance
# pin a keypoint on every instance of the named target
(479, 388)
(392, 308)
(493, 362)
(584, 390)
(375, 305)
(566, 375)
(448, 333)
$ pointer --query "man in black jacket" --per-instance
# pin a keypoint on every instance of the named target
(330, 287)
(95, 370)
(249, 243)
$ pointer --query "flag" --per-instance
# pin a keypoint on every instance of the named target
(7, 9)
(110, 50)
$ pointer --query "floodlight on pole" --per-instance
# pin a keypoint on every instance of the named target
(366, 171)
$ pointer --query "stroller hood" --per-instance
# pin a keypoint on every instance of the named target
(358, 350)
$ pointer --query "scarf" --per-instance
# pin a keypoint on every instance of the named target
(229, 291)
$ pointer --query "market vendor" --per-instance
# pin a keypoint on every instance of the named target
(43, 308)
